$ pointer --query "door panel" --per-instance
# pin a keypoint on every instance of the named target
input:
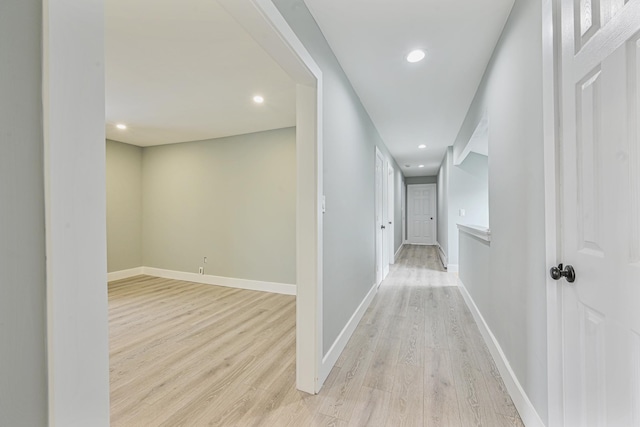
(600, 222)
(379, 235)
(422, 213)
(391, 223)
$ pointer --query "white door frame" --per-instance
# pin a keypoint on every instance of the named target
(386, 255)
(435, 213)
(379, 215)
(403, 210)
(73, 109)
(263, 21)
(391, 223)
(550, 75)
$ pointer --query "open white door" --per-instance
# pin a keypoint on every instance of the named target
(599, 189)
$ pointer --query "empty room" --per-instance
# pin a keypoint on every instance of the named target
(201, 215)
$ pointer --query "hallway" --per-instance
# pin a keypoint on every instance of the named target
(417, 358)
(190, 354)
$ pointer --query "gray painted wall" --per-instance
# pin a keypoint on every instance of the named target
(231, 200)
(475, 259)
(23, 375)
(465, 186)
(124, 206)
(470, 180)
(511, 94)
(349, 142)
(421, 180)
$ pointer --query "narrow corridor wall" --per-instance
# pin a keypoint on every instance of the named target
(510, 94)
(349, 142)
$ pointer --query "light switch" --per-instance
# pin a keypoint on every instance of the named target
(462, 212)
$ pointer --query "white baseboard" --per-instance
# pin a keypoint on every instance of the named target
(330, 359)
(527, 411)
(124, 274)
(397, 254)
(443, 256)
(230, 282)
(452, 268)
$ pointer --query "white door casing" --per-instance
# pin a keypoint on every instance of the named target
(386, 257)
(598, 183)
(379, 214)
(421, 212)
(403, 211)
(391, 226)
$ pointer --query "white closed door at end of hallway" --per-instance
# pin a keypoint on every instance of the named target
(421, 214)
(600, 212)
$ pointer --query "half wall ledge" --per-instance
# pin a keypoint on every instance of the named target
(476, 230)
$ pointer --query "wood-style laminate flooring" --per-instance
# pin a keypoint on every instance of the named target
(184, 354)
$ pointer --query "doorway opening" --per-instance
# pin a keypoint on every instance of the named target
(86, 386)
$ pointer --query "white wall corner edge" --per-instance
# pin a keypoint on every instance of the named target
(452, 268)
(229, 282)
(397, 254)
(527, 411)
(124, 274)
(330, 359)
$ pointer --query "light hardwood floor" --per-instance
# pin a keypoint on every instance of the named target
(185, 354)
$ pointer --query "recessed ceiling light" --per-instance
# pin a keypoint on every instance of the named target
(407, 166)
(421, 166)
(416, 55)
(121, 126)
(258, 99)
(422, 146)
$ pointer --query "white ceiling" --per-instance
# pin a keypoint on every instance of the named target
(181, 71)
(186, 71)
(421, 103)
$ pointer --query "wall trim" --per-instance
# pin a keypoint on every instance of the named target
(262, 20)
(477, 231)
(551, 59)
(528, 413)
(229, 282)
(397, 254)
(330, 359)
(443, 256)
(124, 274)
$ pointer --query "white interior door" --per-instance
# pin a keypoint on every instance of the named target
(421, 214)
(379, 215)
(391, 226)
(386, 256)
(403, 211)
(600, 211)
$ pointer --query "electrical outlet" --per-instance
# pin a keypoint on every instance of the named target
(201, 270)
